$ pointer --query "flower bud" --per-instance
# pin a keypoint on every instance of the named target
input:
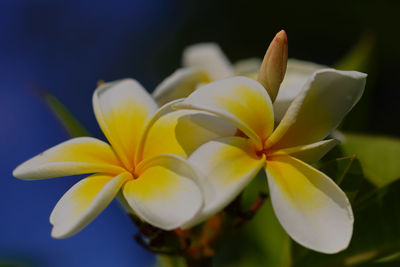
(273, 67)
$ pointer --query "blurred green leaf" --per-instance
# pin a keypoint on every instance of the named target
(259, 242)
(169, 261)
(379, 156)
(359, 56)
(71, 124)
(376, 238)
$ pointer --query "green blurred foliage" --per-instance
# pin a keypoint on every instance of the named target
(379, 156)
(169, 261)
(69, 122)
(360, 56)
(260, 241)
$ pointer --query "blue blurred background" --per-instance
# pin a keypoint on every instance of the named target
(67, 46)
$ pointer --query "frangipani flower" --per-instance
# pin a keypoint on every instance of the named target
(312, 209)
(159, 187)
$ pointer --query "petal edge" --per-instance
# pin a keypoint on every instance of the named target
(83, 202)
(312, 209)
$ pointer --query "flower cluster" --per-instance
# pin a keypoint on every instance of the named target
(219, 125)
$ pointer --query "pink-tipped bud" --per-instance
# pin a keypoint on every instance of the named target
(273, 67)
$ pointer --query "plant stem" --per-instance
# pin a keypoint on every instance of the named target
(248, 215)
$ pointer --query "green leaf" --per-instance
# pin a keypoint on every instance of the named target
(71, 124)
(376, 238)
(359, 56)
(379, 156)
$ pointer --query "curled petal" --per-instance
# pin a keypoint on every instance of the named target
(312, 209)
(325, 99)
(122, 109)
(165, 194)
(239, 100)
(180, 84)
(83, 202)
(76, 156)
(224, 166)
(208, 56)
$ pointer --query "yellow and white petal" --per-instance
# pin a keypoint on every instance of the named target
(239, 100)
(312, 209)
(122, 109)
(83, 202)
(325, 99)
(297, 74)
(208, 56)
(183, 131)
(224, 166)
(180, 84)
(76, 156)
(309, 153)
(165, 194)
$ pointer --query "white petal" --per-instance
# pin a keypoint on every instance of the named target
(312, 209)
(325, 99)
(224, 166)
(76, 156)
(297, 74)
(208, 56)
(83, 202)
(165, 194)
(309, 153)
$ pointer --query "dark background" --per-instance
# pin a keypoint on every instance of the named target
(67, 46)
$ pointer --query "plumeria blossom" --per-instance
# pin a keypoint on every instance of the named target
(206, 62)
(141, 160)
(312, 209)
